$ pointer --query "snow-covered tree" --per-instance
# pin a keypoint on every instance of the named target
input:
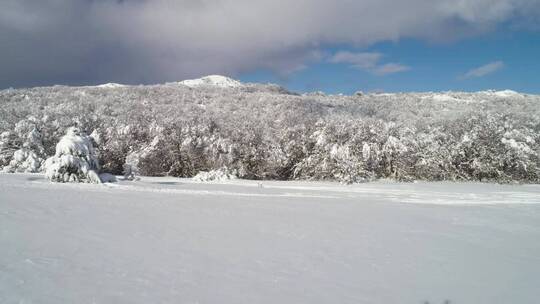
(266, 132)
(75, 159)
(7, 147)
(29, 155)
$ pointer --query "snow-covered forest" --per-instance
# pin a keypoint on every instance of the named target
(260, 131)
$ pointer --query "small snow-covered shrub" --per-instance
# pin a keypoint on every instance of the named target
(222, 174)
(24, 160)
(30, 155)
(74, 161)
(7, 147)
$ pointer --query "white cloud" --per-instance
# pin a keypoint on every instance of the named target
(390, 68)
(484, 70)
(162, 40)
(368, 61)
(357, 60)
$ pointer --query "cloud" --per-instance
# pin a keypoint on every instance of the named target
(484, 70)
(368, 61)
(390, 68)
(357, 60)
(149, 41)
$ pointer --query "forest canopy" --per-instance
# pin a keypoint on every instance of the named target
(265, 132)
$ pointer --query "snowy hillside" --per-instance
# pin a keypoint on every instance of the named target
(110, 85)
(262, 131)
(212, 80)
(169, 240)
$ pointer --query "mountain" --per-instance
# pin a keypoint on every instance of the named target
(212, 80)
(110, 85)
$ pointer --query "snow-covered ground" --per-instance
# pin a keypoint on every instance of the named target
(169, 240)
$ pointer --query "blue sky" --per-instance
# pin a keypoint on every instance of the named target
(431, 66)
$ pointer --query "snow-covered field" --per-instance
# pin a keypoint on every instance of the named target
(169, 240)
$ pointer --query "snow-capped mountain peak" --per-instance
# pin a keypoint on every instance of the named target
(212, 80)
(508, 93)
(110, 85)
(502, 94)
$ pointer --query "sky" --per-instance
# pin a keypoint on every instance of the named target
(339, 46)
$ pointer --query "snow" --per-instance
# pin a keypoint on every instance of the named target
(24, 160)
(169, 240)
(107, 178)
(212, 80)
(74, 144)
(445, 97)
(512, 143)
(75, 159)
(222, 174)
(462, 97)
(29, 157)
(503, 93)
(442, 97)
(507, 93)
(452, 97)
(110, 85)
(266, 132)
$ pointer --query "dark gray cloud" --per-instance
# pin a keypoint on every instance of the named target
(143, 41)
